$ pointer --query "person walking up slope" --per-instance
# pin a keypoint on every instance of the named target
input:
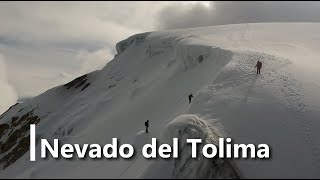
(190, 97)
(147, 126)
(258, 66)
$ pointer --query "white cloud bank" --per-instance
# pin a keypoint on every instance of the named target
(8, 95)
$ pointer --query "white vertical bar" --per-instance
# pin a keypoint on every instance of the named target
(32, 142)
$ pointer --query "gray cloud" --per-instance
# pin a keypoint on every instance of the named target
(46, 44)
(8, 94)
(176, 16)
(218, 13)
(42, 40)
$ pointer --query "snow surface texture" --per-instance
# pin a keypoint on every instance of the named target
(151, 77)
(191, 127)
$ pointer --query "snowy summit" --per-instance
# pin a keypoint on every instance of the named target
(151, 78)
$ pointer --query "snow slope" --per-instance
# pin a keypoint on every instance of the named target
(151, 77)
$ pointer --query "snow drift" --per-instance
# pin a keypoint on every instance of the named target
(151, 77)
(191, 127)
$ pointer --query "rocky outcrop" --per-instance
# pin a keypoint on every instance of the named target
(78, 82)
(14, 140)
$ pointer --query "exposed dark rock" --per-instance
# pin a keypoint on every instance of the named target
(16, 153)
(85, 86)
(17, 141)
(76, 83)
(14, 120)
(3, 129)
(80, 84)
(23, 118)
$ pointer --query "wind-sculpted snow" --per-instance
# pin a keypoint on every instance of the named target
(138, 38)
(192, 127)
(190, 55)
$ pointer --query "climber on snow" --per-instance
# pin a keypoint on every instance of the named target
(147, 125)
(190, 97)
(258, 66)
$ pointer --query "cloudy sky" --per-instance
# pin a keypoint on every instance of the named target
(45, 44)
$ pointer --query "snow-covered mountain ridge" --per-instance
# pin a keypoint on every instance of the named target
(150, 79)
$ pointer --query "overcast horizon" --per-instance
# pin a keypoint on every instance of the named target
(46, 44)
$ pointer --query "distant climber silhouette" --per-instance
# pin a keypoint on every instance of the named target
(190, 97)
(147, 126)
(258, 66)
